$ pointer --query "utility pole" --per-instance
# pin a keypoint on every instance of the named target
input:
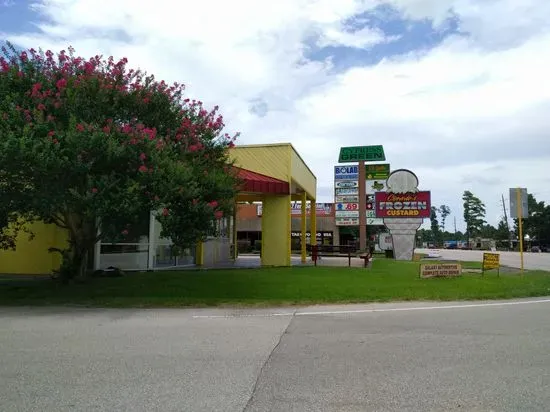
(507, 224)
(454, 217)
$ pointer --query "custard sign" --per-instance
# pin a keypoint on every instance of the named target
(402, 205)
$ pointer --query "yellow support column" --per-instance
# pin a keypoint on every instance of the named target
(276, 231)
(199, 255)
(303, 222)
(313, 222)
(234, 228)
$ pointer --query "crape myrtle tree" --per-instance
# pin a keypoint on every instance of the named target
(91, 146)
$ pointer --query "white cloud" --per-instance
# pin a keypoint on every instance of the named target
(360, 39)
(469, 114)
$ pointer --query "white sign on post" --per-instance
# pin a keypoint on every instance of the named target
(346, 221)
(345, 184)
(514, 203)
(347, 199)
(346, 213)
(347, 191)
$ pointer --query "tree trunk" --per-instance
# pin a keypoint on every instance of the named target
(82, 237)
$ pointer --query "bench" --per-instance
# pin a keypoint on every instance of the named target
(318, 251)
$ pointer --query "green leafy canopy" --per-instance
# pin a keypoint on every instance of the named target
(91, 146)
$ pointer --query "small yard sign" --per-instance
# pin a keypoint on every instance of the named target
(491, 261)
(440, 270)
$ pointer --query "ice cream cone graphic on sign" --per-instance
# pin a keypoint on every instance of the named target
(403, 229)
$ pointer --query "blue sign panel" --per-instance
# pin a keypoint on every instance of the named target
(346, 172)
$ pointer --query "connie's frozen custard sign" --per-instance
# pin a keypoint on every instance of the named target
(406, 204)
(402, 208)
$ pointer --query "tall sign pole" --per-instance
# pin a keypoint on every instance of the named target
(362, 207)
(520, 226)
(519, 209)
(362, 154)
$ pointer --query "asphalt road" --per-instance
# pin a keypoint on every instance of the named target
(532, 261)
(385, 357)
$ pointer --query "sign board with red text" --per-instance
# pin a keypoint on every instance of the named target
(402, 205)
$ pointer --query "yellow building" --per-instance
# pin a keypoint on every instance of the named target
(274, 174)
(32, 256)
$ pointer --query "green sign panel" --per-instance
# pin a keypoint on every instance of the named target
(377, 172)
(361, 153)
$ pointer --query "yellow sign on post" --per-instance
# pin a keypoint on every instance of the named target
(491, 261)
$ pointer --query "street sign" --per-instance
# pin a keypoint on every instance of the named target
(514, 204)
(377, 172)
(362, 153)
(346, 172)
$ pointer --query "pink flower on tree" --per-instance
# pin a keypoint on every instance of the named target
(143, 168)
(213, 204)
(218, 214)
(165, 212)
(61, 84)
(94, 189)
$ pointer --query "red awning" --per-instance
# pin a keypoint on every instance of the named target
(258, 183)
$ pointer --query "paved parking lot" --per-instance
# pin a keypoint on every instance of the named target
(386, 357)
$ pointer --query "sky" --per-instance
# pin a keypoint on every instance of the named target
(455, 90)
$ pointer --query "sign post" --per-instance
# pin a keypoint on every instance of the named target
(359, 154)
(520, 227)
(519, 209)
(362, 207)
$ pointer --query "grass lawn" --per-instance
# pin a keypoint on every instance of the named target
(387, 280)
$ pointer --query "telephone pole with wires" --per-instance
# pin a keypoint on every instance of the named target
(507, 224)
(455, 232)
